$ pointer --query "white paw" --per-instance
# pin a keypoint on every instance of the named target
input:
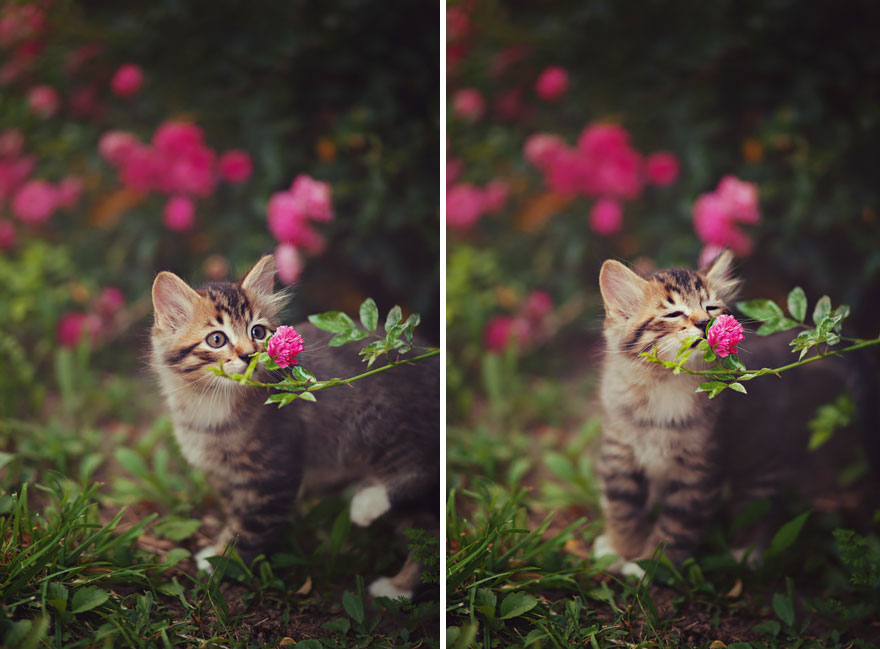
(602, 547)
(630, 569)
(369, 504)
(202, 559)
(383, 587)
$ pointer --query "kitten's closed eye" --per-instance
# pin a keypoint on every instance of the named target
(674, 314)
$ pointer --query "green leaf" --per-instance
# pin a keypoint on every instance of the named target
(308, 396)
(132, 462)
(784, 608)
(302, 374)
(175, 556)
(771, 627)
(516, 604)
(393, 318)
(85, 599)
(797, 303)
(369, 314)
(353, 335)
(774, 326)
(714, 388)
(763, 310)
(822, 309)
(354, 606)
(737, 387)
(340, 625)
(281, 398)
(177, 529)
(335, 321)
(787, 534)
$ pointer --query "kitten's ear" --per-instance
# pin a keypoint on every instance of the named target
(622, 290)
(173, 301)
(261, 278)
(719, 275)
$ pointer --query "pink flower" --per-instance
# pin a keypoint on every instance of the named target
(289, 263)
(76, 59)
(43, 101)
(7, 234)
(468, 104)
(458, 23)
(179, 214)
(35, 201)
(661, 169)
(13, 173)
(714, 224)
(566, 172)
(740, 198)
(495, 196)
(84, 102)
(315, 196)
(708, 254)
(110, 301)
(606, 216)
(141, 168)
(552, 83)
(724, 335)
(69, 191)
(537, 305)
(236, 166)
(115, 146)
(287, 216)
(73, 326)
(454, 167)
(465, 204)
(617, 174)
(20, 21)
(503, 330)
(190, 171)
(540, 149)
(177, 138)
(603, 140)
(11, 143)
(284, 345)
(127, 81)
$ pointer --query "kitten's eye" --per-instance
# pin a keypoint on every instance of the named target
(674, 314)
(712, 308)
(258, 332)
(216, 339)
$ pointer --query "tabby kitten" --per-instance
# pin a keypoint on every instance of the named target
(666, 449)
(381, 433)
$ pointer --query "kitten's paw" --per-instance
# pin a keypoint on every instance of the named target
(384, 587)
(630, 569)
(369, 504)
(202, 562)
(602, 547)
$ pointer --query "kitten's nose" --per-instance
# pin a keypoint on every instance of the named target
(701, 325)
(245, 357)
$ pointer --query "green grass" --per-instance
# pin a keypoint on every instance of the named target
(523, 512)
(100, 517)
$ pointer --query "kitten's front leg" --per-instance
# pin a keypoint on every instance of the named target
(624, 499)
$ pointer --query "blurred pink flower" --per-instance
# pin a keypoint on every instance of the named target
(741, 199)
(69, 191)
(468, 104)
(606, 217)
(35, 201)
(662, 168)
(714, 224)
(11, 143)
(110, 301)
(724, 335)
(179, 214)
(540, 149)
(509, 106)
(454, 167)
(552, 83)
(190, 171)
(287, 216)
(115, 146)
(503, 330)
(603, 140)
(13, 173)
(7, 234)
(177, 138)
(618, 174)
(465, 204)
(84, 102)
(495, 195)
(74, 326)
(506, 58)
(127, 80)
(236, 166)
(566, 171)
(458, 23)
(284, 345)
(315, 196)
(77, 58)
(43, 101)
(141, 168)
(289, 263)
(20, 21)
(538, 305)
(708, 254)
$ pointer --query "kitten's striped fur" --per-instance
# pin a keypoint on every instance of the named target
(381, 433)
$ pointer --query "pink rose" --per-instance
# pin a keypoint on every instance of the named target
(73, 326)
(7, 234)
(141, 168)
(115, 146)
(315, 196)
(495, 196)
(179, 214)
(724, 335)
(289, 263)
(661, 169)
(284, 345)
(740, 199)
(13, 173)
(236, 166)
(110, 301)
(190, 171)
(606, 217)
(713, 223)
(127, 81)
(540, 149)
(287, 216)
(552, 83)
(468, 104)
(708, 254)
(537, 305)
(43, 101)
(177, 138)
(465, 204)
(566, 172)
(502, 331)
(69, 191)
(35, 201)
(602, 140)
(618, 174)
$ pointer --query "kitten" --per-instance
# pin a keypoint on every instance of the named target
(381, 432)
(666, 450)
